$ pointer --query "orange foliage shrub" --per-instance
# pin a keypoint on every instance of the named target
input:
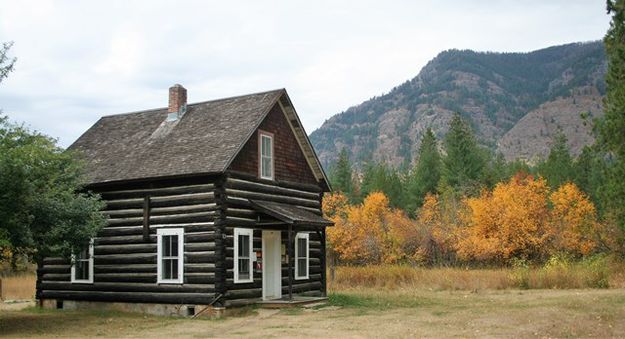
(508, 222)
(519, 219)
(368, 233)
(574, 221)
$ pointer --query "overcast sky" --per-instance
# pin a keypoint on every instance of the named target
(79, 60)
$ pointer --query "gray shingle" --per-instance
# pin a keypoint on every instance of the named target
(143, 145)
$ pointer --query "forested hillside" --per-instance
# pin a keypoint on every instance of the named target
(516, 103)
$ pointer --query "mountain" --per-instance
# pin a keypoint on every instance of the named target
(516, 103)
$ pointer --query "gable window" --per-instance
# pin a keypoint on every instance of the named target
(170, 264)
(265, 166)
(301, 255)
(243, 241)
(82, 265)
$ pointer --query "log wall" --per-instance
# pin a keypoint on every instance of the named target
(208, 208)
(125, 255)
(237, 189)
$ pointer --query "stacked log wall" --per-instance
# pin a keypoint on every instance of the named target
(238, 189)
(125, 258)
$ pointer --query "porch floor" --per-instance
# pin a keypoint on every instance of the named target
(284, 302)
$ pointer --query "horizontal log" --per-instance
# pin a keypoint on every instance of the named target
(141, 192)
(199, 247)
(200, 237)
(111, 259)
(139, 297)
(199, 257)
(124, 203)
(63, 269)
(199, 268)
(130, 212)
(233, 221)
(56, 276)
(199, 278)
(272, 197)
(126, 277)
(56, 261)
(125, 249)
(240, 302)
(183, 217)
(183, 209)
(182, 199)
(281, 183)
(271, 189)
(127, 287)
(244, 293)
(120, 231)
(241, 213)
(122, 240)
(127, 268)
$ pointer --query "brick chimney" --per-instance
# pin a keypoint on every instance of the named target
(177, 102)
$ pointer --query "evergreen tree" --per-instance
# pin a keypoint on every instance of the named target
(341, 176)
(377, 177)
(558, 168)
(589, 173)
(612, 127)
(426, 174)
(464, 163)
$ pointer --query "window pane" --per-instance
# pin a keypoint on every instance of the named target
(244, 269)
(301, 267)
(166, 245)
(81, 270)
(266, 167)
(174, 245)
(301, 247)
(166, 269)
(265, 149)
(174, 269)
(244, 245)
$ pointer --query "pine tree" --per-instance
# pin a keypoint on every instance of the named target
(612, 127)
(558, 168)
(426, 174)
(464, 163)
(341, 177)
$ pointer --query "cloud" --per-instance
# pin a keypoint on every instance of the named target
(78, 61)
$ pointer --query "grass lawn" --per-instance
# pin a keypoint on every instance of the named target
(363, 313)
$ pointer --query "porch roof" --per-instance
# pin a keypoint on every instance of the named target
(290, 214)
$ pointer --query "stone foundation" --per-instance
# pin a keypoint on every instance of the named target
(145, 308)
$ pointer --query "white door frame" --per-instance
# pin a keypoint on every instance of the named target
(275, 236)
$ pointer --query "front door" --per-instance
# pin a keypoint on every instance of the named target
(271, 265)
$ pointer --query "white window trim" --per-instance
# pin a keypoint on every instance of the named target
(262, 134)
(306, 236)
(249, 232)
(159, 263)
(73, 269)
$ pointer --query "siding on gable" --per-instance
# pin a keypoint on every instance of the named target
(289, 161)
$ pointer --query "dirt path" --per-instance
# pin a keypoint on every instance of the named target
(542, 313)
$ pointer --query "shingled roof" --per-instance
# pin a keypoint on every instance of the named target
(205, 140)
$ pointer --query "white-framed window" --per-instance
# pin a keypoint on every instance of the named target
(243, 250)
(82, 265)
(265, 155)
(170, 255)
(301, 255)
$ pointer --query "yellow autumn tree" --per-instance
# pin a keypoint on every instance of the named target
(574, 221)
(368, 233)
(511, 221)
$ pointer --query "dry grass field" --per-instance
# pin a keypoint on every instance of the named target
(387, 301)
(18, 287)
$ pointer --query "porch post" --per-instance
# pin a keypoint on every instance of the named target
(290, 252)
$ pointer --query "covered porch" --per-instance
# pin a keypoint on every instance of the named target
(289, 219)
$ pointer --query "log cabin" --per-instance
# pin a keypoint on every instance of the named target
(213, 204)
